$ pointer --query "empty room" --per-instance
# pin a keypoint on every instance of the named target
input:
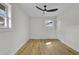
(39, 28)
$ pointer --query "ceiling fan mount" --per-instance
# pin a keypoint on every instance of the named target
(46, 10)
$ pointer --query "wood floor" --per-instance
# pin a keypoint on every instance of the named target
(46, 47)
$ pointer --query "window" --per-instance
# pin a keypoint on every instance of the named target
(5, 15)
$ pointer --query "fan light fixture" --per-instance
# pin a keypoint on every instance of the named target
(46, 10)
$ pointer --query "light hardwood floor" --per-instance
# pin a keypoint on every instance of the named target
(46, 47)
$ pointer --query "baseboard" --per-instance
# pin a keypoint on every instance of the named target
(70, 46)
(14, 52)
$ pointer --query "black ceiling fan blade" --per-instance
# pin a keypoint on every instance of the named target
(52, 10)
(39, 8)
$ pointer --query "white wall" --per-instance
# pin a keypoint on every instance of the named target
(69, 32)
(72, 36)
(38, 29)
(12, 40)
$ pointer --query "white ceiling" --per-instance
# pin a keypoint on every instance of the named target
(32, 11)
(68, 11)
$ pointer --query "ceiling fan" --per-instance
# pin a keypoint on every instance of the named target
(45, 10)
